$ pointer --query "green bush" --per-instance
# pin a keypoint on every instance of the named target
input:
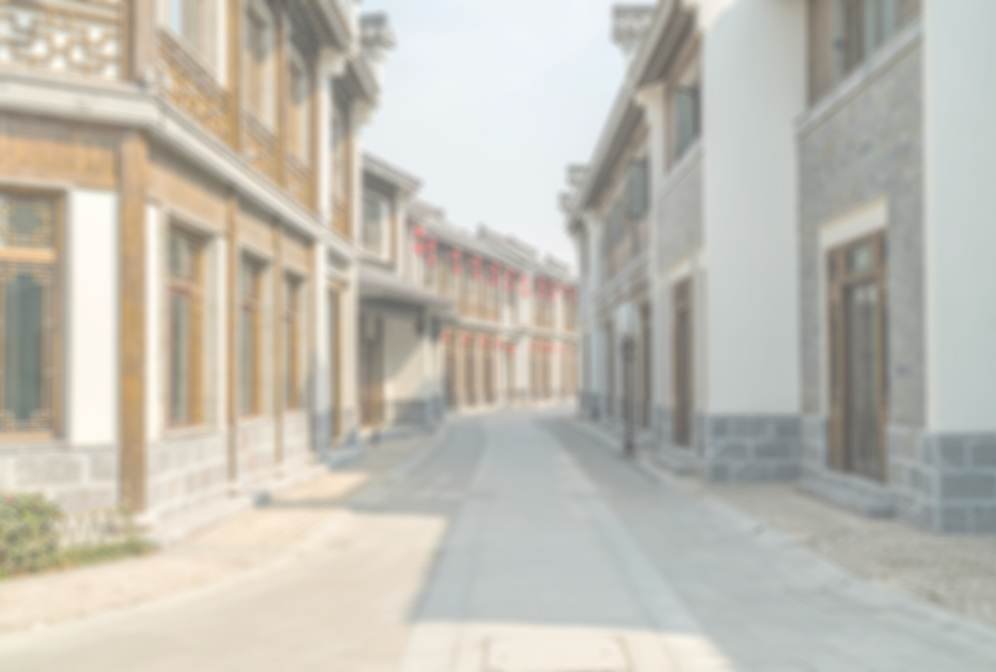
(29, 534)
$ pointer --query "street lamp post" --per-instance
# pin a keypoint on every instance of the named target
(626, 321)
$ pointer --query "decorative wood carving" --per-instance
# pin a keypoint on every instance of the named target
(76, 37)
(40, 149)
(192, 88)
(300, 181)
(261, 148)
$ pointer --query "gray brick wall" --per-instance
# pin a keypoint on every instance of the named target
(186, 471)
(961, 497)
(256, 449)
(751, 447)
(870, 146)
(297, 437)
(77, 478)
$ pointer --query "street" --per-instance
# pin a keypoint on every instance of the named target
(523, 543)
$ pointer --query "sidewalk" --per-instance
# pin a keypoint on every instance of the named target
(234, 549)
(955, 573)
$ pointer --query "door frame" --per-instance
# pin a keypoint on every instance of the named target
(683, 316)
(839, 279)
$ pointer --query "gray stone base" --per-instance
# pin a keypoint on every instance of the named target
(944, 483)
(958, 489)
(78, 478)
(751, 447)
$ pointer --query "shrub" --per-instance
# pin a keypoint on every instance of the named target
(29, 534)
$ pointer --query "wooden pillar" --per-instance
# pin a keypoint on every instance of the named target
(231, 335)
(134, 159)
(314, 146)
(235, 52)
(138, 52)
(279, 384)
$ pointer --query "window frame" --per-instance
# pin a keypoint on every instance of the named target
(687, 78)
(299, 72)
(293, 333)
(203, 44)
(385, 209)
(251, 309)
(259, 75)
(195, 291)
(51, 259)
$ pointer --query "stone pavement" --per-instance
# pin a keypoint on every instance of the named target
(522, 544)
(250, 540)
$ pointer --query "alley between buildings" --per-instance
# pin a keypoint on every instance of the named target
(521, 542)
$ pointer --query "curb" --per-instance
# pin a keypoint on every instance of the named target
(871, 594)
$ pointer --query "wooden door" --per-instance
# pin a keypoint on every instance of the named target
(489, 373)
(451, 371)
(335, 363)
(470, 367)
(684, 366)
(372, 370)
(858, 357)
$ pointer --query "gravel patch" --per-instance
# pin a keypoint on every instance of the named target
(956, 573)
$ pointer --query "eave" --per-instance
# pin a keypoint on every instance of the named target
(648, 64)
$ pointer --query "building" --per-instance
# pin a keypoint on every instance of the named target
(179, 259)
(400, 382)
(789, 200)
(453, 319)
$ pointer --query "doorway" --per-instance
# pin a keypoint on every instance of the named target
(684, 367)
(646, 366)
(470, 361)
(335, 364)
(858, 340)
(451, 370)
(372, 370)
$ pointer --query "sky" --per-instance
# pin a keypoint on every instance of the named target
(488, 101)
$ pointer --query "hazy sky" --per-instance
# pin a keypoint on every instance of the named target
(488, 100)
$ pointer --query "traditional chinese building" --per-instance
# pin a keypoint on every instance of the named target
(180, 212)
(791, 199)
(452, 318)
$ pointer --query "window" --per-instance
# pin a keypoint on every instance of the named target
(193, 22)
(341, 180)
(186, 302)
(299, 118)
(374, 218)
(638, 189)
(845, 33)
(686, 110)
(250, 328)
(28, 300)
(258, 69)
(293, 333)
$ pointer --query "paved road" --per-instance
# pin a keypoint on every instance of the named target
(521, 544)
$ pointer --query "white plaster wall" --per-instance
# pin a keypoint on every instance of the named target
(754, 87)
(217, 318)
(92, 306)
(960, 158)
(326, 66)
(403, 359)
(154, 402)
